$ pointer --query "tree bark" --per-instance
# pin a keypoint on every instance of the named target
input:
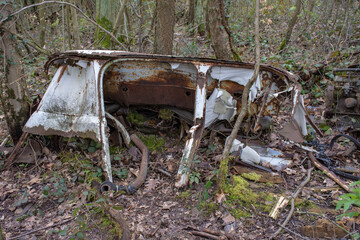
(120, 18)
(75, 27)
(141, 23)
(164, 26)
(190, 12)
(13, 84)
(107, 9)
(291, 25)
(68, 26)
(224, 168)
(42, 25)
(219, 31)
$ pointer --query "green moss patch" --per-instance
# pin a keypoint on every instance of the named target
(241, 197)
(152, 142)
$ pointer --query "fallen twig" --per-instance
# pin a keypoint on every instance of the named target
(40, 229)
(293, 197)
(16, 150)
(328, 172)
(117, 219)
(164, 172)
(204, 234)
(290, 231)
(5, 141)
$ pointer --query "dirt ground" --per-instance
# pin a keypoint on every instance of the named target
(51, 196)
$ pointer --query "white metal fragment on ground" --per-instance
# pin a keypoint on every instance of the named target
(260, 155)
(272, 158)
(247, 154)
(219, 106)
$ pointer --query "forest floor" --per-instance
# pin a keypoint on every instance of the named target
(53, 194)
(50, 196)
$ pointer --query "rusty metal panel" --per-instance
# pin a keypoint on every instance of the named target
(141, 82)
(70, 106)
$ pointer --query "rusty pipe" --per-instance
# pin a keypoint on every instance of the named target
(131, 188)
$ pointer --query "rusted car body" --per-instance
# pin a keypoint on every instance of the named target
(73, 104)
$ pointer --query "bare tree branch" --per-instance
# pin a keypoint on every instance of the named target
(71, 5)
(244, 102)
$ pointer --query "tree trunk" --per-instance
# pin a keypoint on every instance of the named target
(164, 26)
(206, 16)
(141, 23)
(68, 26)
(219, 31)
(75, 27)
(107, 9)
(120, 18)
(190, 12)
(42, 25)
(13, 84)
(291, 25)
(106, 13)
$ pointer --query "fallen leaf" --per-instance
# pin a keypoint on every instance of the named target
(135, 172)
(228, 218)
(34, 180)
(220, 197)
(290, 171)
(151, 185)
(168, 205)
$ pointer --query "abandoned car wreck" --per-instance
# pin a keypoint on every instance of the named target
(90, 85)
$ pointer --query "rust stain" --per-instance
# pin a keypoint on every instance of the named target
(62, 72)
(231, 87)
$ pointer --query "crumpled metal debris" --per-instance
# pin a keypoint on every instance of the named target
(256, 154)
(220, 105)
(73, 104)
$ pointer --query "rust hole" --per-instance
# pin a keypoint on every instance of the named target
(124, 89)
(188, 93)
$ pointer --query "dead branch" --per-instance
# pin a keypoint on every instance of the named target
(245, 97)
(329, 173)
(40, 229)
(16, 150)
(73, 6)
(290, 231)
(5, 141)
(205, 235)
(33, 45)
(115, 216)
(293, 197)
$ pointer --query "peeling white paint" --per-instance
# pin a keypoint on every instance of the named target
(239, 75)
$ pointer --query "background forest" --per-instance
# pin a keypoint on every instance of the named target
(309, 38)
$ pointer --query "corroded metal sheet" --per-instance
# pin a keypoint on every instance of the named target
(70, 106)
(74, 102)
